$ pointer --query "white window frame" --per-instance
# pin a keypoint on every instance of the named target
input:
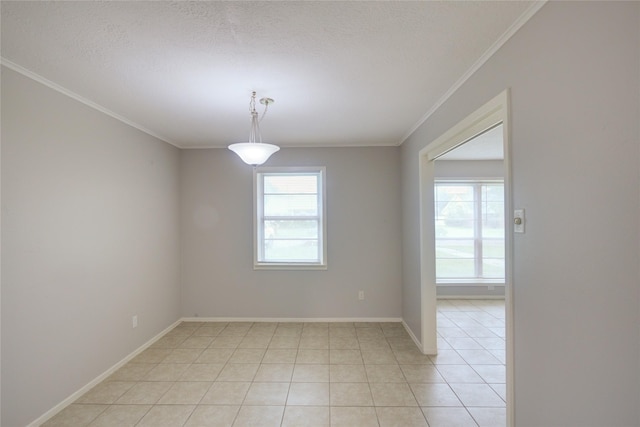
(477, 238)
(259, 219)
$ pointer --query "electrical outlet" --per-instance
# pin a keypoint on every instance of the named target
(134, 321)
(361, 295)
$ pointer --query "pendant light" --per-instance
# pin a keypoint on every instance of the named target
(255, 152)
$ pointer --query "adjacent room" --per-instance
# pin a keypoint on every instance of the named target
(155, 272)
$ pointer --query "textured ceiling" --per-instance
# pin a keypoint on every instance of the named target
(341, 73)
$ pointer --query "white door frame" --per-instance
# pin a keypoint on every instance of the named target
(492, 113)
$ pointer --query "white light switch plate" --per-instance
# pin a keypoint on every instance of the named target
(518, 221)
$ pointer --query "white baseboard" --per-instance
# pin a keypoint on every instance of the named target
(73, 397)
(291, 319)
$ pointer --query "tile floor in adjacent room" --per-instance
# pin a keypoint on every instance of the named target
(309, 374)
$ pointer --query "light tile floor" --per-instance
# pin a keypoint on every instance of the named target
(309, 374)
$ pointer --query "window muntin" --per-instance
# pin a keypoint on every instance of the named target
(469, 227)
(290, 218)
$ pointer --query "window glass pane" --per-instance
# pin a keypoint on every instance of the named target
(291, 184)
(290, 205)
(493, 249)
(455, 268)
(493, 268)
(454, 248)
(454, 192)
(493, 192)
(291, 250)
(297, 229)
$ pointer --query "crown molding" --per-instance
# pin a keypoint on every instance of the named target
(38, 78)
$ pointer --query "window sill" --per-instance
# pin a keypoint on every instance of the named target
(284, 266)
(470, 282)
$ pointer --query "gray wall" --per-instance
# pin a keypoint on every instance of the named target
(573, 70)
(363, 210)
(89, 239)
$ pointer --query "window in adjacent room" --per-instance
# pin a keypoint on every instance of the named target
(290, 219)
(469, 231)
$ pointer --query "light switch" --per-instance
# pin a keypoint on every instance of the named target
(518, 221)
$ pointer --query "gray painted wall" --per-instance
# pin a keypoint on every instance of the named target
(89, 239)
(363, 210)
(573, 70)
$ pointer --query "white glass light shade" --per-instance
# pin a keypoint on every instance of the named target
(254, 153)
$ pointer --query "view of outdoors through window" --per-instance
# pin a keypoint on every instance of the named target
(290, 219)
(469, 230)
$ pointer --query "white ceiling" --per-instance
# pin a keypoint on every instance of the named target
(341, 73)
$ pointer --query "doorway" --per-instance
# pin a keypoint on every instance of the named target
(491, 115)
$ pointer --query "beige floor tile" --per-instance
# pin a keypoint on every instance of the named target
(459, 374)
(313, 356)
(202, 372)
(477, 395)
(166, 416)
(209, 330)
(500, 389)
(421, 374)
(379, 357)
(132, 372)
(308, 373)
(284, 341)
(369, 333)
(144, 393)
(345, 357)
(478, 357)
(448, 417)
(269, 394)
(226, 341)
(392, 394)
(435, 395)
(385, 374)
(215, 355)
(197, 342)
(447, 357)
(185, 393)
(234, 330)
(76, 416)
(315, 332)
(314, 342)
(121, 416)
(169, 341)
(344, 343)
(401, 417)
(167, 372)
(350, 394)
(106, 392)
(413, 356)
(238, 372)
(274, 372)
(255, 341)
(336, 332)
(280, 355)
(347, 374)
(354, 417)
(226, 393)
(489, 417)
(491, 373)
(308, 394)
(307, 416)
(152, 355)
(247, 355)
(212, 416)
(183, 355)
(374, 344)
(259, 416)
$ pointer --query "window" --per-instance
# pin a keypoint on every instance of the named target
(469, 231)
(290, 229)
